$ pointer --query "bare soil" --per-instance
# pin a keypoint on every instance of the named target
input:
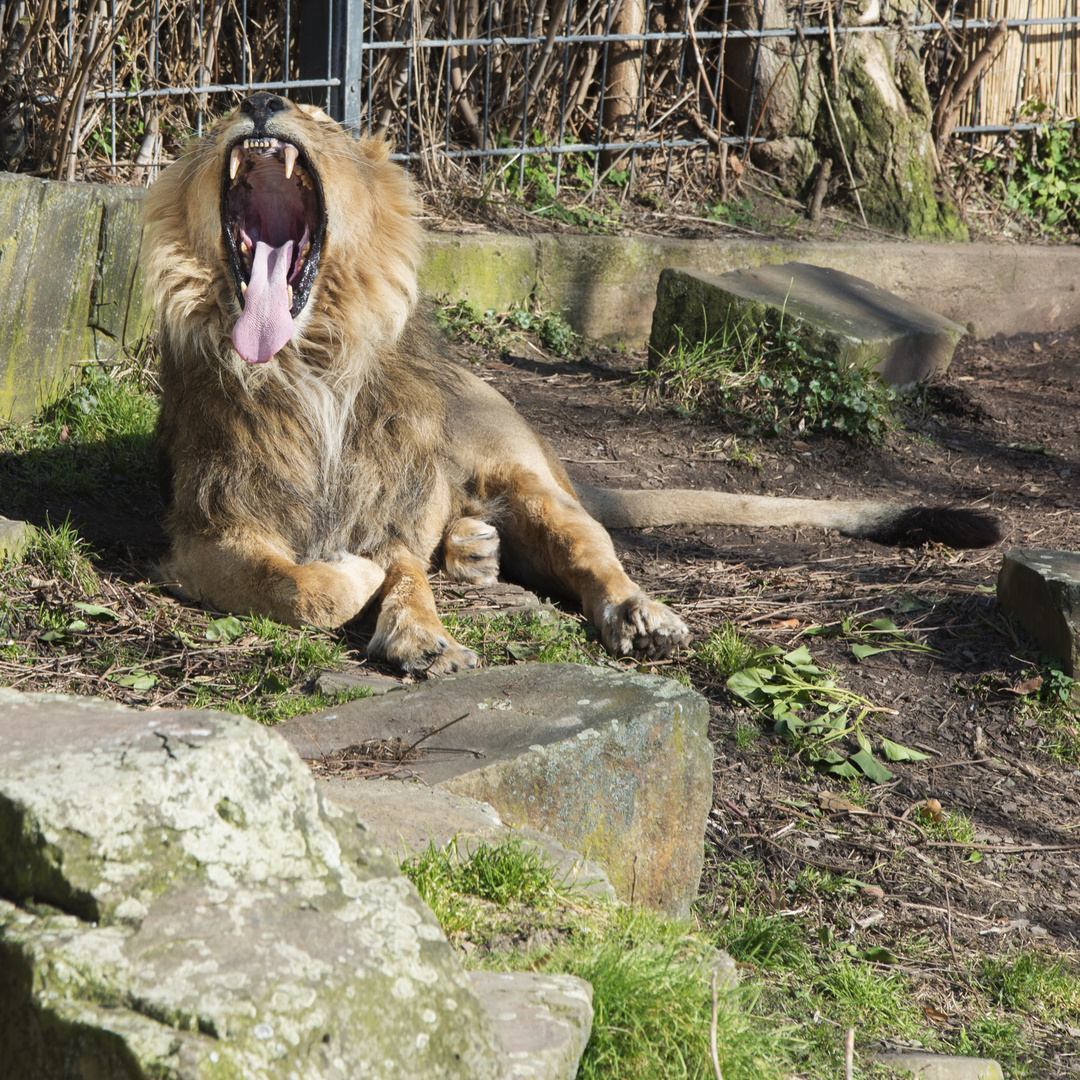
(1001, 431)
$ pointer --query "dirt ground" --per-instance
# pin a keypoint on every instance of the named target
(1002, 432)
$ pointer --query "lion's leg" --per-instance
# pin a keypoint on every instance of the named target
(255, 574)
(551, 541)
(471, 552)
(408, 632)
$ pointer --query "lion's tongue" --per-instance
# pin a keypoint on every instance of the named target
(266, 323)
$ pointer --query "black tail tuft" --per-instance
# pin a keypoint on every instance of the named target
(940, 524)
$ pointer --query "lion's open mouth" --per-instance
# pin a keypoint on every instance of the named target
(273, 221)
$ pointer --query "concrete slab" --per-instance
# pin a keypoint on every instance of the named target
(612, 764)
(544, 1020)
(925, 1066)
(408, 817)
(178, 900)
(14, 536)
(1041, 591)
(606, 285)
(842, 315)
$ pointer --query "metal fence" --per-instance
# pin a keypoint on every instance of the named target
(593, 86)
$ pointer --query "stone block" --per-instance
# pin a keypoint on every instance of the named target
(925, 1066)
(841, 315)
(408, 818)
(614, 765)
(180, 900)
(490, 271)
(69, 289)
(1041, 591)
(14, 536)
(544, 1020)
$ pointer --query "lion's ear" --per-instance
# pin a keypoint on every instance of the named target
(315, 113)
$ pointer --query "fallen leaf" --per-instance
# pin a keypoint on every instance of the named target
(934, 1016)
(836, 804)
(874, 891)
(784, 624)
(1028, 686)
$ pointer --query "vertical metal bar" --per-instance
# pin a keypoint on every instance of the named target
(525, 94)
(599, 140)
(448, 54)
(644, 46)
(352, 45)
(408, 76)
(112, 103)
(288, 35)
(562, 100)
(680, 72)
(201, 98)
(371, 56)
(754, 75)
(331, 56)
(487, 89)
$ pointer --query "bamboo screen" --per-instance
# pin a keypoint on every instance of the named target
(1038, 65)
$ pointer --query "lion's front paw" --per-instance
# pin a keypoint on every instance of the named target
(642, 628)
(471, 552)
(421, 650)
(330, 594)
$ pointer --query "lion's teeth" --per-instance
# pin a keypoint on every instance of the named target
(290, 153)
(235, 158)
(243, 288)
(289, 287)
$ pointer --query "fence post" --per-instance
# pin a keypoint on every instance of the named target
(330, 38)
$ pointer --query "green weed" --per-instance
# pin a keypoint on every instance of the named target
(1042, 179)
(499, 330)
(765, 380)
(724, 651)
(807, 706)
(564, 193)
(542, 637)
(98, 435)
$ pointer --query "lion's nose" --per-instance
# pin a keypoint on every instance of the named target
(260, 106)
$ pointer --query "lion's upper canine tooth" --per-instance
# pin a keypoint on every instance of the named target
(235, 158)
(290, 154)
(243, 288)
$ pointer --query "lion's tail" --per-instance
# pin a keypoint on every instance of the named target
(884, 522)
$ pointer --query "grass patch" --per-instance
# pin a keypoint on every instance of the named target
(98, 436)
(826, 978)
(651, 978)
(542, 637)
(768, 380)
(503, 330)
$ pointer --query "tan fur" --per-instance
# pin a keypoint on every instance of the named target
(328, 478)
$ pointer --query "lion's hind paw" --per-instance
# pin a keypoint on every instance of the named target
(471, 552)
(642, 628)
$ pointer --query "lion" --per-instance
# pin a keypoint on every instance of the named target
(318, 449)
